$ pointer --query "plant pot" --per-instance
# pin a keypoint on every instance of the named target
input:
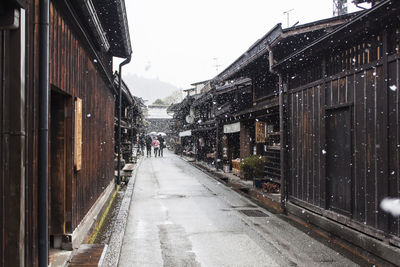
(271, 187)
(226, 168)
(258, 182)
(245, 175)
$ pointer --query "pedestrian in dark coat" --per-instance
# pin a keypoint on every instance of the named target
(148, 146)
(162, 146)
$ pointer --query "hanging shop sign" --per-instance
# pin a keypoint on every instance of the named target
(232, 128)
(225, 147)
(260, 131)
(185, 133)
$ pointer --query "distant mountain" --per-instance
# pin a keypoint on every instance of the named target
(149, 89)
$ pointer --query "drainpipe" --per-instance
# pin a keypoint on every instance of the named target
(281, 130)
(126, 61)
(43, 155)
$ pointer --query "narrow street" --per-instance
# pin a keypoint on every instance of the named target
(179, 216)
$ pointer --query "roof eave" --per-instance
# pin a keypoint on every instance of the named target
(255, 51)
(325, 37)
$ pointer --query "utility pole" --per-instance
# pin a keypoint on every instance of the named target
(287, 16)
(339, 7)
(216, 64)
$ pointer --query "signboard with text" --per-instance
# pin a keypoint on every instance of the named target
(260, 131)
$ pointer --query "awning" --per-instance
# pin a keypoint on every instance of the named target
(232, 128)
(274, 102)
(205, 129)
(185, 133)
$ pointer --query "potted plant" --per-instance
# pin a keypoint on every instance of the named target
(252, 168)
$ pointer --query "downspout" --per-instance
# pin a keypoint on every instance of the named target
(132, 131)
(281, 130)
(126, 61)
(43, 156)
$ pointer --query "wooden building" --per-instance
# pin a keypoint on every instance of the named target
(72, 53)
(342, 125)
(157, 118)
(204, 128)
(181, 124)
(230, 98)
(249, 99)
(132, 121)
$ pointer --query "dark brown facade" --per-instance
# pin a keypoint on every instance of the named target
(343, 124)
(73, 73)
(80, 70)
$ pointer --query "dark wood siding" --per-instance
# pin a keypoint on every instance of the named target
(370, 97)
(394, 137)
(13, 146)
(338, 160)
(74, 72)
(2, 256)
(305, 132)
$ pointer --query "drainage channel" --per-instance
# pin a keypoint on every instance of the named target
(104, 233)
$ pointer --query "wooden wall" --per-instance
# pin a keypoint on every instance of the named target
(13, 134)
(393, 130)
(1, 148)
(75, 72)
(360, 102)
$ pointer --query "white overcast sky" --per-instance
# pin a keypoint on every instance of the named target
(176, 41)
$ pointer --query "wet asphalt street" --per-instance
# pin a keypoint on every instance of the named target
(179, 216)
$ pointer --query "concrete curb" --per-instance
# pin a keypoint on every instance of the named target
(114, 247)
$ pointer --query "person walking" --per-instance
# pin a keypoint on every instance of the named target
(148, 146)
(162, 146)
(142, 143)
(156, 145)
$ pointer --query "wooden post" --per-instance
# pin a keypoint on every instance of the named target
(383, 152)
(13, 135)
(282, 131)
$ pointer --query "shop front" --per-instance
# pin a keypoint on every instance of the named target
(205, 143)
(230, 145)
(187, 143)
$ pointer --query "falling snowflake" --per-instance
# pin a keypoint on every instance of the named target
(323, 151)
(391, 205)
(393, 87)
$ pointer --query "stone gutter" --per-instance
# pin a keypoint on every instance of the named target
(114, 246)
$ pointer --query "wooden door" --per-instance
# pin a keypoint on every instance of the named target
(60, 163)
(338, 160)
